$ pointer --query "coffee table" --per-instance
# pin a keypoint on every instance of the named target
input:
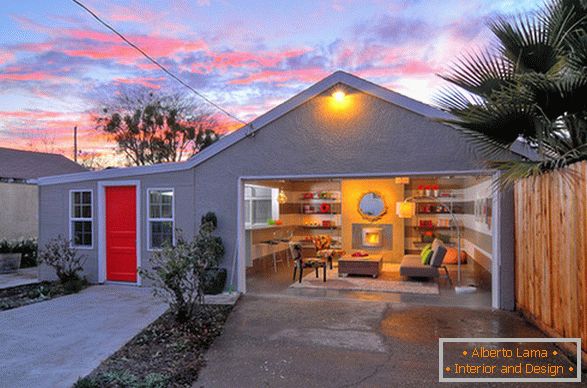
(367, 265)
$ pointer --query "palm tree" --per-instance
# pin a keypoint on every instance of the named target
(530, 86)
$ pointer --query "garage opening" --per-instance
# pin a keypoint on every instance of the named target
(371, 237)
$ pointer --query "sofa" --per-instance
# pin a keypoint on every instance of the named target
(411, 265)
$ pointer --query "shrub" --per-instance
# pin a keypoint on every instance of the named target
(179, 272)
(29, 250)
(26, 247)
(59, 255)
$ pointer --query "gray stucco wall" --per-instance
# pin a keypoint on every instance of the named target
(54, 214)
(18, 211)
(368, 136)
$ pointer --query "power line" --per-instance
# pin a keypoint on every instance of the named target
(156, 63)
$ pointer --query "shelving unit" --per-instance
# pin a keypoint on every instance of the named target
(434, 209)
(314, 219)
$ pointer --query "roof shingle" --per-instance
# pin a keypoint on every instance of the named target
(19, 164)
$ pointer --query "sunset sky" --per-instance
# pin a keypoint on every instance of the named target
(57, 63)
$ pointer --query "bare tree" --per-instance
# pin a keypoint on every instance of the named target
(154, 127)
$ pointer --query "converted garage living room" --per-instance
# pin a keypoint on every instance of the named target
(399, 235)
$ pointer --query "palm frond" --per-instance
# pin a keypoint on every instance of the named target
(480, 73)
(526, 41)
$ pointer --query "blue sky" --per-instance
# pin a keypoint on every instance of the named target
(57, 64)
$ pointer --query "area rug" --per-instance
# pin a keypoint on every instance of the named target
(387, 281)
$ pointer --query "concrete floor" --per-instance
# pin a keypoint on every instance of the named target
(276, 284)
(293, 341)
(22, 277)
(53, 343)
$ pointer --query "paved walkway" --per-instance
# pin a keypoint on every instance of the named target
(272, 341)
(53, 343)
(23, 276)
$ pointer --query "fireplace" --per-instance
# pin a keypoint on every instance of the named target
(372, 237)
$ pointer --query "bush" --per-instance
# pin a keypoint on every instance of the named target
(26, 247)
(58, 253)
(179, 272)
(29, 249)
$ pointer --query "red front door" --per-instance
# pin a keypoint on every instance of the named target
(121, 236)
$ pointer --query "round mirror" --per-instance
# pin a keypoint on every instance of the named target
(372, 206)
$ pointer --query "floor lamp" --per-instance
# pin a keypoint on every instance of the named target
(407, 209)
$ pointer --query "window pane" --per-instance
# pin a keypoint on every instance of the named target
(248, 212)
(161, 204)
(161, 233)
(82, 233)
(86, 211)
(87, 197)
(261, 211)
(154, 211)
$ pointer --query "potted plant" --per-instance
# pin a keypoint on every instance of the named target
(213, 248)
(9, 259)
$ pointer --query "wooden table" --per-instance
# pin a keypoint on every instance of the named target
(367, 265)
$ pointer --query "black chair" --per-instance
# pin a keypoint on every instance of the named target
(306, 262)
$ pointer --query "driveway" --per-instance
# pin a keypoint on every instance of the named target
(283, 341)
(53, 343)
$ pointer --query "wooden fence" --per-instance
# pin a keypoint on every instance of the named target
(551, 251)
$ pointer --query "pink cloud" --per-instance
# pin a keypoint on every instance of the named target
(282, 76)
(149, 82)
(32, 76)
(5, 56)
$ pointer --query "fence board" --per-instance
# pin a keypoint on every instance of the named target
(551, 251)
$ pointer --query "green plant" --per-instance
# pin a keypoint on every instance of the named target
(29, 250)
(66, 262)
(26, 247)
(179, 271)
(531, 87)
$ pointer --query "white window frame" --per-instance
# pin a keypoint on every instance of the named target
(149, 219)
(274, 205)
(73, 219)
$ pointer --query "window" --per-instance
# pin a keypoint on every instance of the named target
(80, 219)
(260, 205)
(160, 218)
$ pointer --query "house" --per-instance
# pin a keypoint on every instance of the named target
(18, 191)
(302, 169)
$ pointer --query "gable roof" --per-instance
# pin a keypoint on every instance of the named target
(25, 165)
(338, 77)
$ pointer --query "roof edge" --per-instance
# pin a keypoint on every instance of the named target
(260, 122)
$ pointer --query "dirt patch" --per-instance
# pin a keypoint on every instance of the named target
(32, 293)
(165, 354)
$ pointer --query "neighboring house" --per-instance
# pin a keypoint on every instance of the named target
(118, 217)
(19, 192)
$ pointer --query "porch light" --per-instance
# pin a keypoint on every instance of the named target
(405, 209)
(339, 96)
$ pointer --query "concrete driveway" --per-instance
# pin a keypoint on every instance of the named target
(53, 343)
(325, 342)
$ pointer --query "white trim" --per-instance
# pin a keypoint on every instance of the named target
(318, 88)
(149, 219)
(102, 226)
(241, 266)
(496, 220)
(71, 219)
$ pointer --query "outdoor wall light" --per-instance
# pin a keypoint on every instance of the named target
(339, 95)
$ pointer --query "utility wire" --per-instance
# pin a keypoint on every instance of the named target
(156, 63)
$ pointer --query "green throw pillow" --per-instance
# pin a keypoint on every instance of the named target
(426, 247)
(426, 260)
(424, 255)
